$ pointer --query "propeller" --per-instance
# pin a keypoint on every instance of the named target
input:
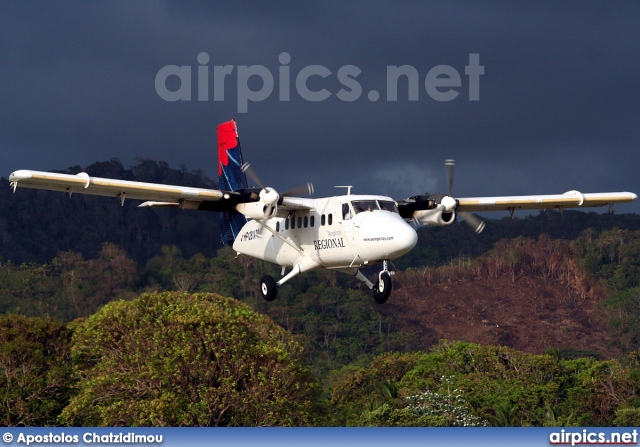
(302, 189)
(449, 165)
(269, 196)
(247, 169)
(449, 202)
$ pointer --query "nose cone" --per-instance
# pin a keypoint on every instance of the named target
(383, 235)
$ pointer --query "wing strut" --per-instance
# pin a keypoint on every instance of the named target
(283, 239)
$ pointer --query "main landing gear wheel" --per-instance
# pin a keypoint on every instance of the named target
(268, 288)
(382, 288)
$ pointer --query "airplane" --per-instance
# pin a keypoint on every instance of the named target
(343, 233)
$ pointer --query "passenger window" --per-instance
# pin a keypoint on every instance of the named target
(330, 218)
(306, 221)
(313, 221)
(299, 222)
(293, 223)
(286, 223)
(277, 227)
(323, 220)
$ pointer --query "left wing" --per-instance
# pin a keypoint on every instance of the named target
(246, 201)
(81, 183)
(570, 199)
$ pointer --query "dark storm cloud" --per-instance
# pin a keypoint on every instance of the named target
(558, 104)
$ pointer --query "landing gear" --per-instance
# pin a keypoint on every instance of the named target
(382, 288)
(268, 288)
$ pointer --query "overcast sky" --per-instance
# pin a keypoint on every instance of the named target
(558, 104)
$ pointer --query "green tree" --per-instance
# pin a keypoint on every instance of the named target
(428, 408)
(35, 370)
(175, 359)
(496, 384)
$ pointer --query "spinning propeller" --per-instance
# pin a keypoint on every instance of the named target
(450, 203)
(269, 196)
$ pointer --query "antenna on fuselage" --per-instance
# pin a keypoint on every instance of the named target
(348, 188)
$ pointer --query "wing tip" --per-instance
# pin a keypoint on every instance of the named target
(21, 174)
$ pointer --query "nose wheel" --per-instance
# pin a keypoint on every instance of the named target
(382, 288)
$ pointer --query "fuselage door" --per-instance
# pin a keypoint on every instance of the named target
(346, 221)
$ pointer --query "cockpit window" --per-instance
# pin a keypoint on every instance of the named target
(388, 205)
(373, 205)
(364, 205)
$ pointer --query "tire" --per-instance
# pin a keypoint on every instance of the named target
(268, 288)
(382, 288)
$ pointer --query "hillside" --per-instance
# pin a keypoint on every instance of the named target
(531, 295)
(530, 314)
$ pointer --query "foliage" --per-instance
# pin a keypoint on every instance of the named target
(175, 359)
(495, 384)
(613, 257)
(452, 407)
(627, 417)
(625, 318)
(340, 323)
(425, 409)
(35, 370)
(355, 389)
(69, 287)
(544, 258)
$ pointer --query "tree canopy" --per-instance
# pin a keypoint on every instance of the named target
(35, 370)
(176, 359)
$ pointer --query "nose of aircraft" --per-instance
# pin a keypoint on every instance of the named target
(383, 235)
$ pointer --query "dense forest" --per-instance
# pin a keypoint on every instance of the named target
(145, 308)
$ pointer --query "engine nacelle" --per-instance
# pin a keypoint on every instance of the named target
(437, 217)
(256, 210)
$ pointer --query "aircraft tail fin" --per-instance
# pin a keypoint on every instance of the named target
(230, 177)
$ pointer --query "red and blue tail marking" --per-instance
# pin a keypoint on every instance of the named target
(230, 177)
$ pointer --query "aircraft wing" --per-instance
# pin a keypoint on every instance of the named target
(570, 199)
(157, 194)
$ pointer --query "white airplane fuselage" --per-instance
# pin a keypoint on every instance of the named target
(334, 232)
